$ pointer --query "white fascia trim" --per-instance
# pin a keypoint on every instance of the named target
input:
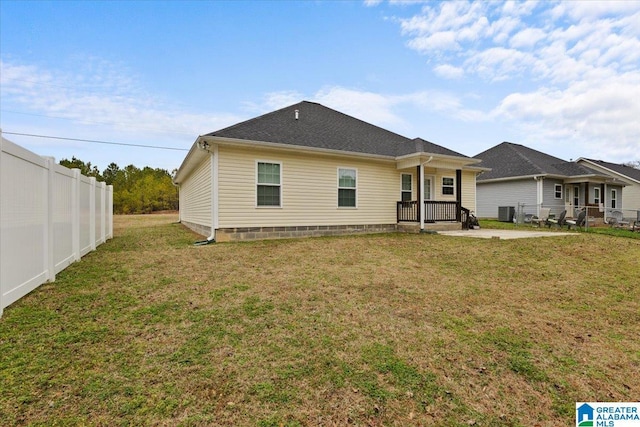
(455, 159)
(512, 178)
(294, 148)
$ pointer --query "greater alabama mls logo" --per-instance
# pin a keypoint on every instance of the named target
(585, 415)
(607, 414)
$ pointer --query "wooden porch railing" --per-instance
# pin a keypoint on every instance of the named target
(433, 211)
(408, 211)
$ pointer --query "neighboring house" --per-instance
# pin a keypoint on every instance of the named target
(308, 170)
(529, 179)
(626, 174)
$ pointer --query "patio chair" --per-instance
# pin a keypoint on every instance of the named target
(542, 218)
(579, 222)
(616, 219)
(559, 222)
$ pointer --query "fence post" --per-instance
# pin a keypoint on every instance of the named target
(1, 222)
(50, 262)
(75, 214)
(92, 213)
(110, 212)
(103, 214)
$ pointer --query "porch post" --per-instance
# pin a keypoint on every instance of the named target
(420, 189)
(459, 195)
(586, 193)
(540, 195)
(604, 202)
(421, 197)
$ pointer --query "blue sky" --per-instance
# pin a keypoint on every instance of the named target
(560, 77)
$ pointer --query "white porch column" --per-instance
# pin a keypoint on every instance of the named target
(604, 203)
(540, 193)
(421, 197)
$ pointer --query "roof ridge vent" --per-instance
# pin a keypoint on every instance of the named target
(297, 114)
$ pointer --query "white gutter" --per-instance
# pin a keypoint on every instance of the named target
(289, 147)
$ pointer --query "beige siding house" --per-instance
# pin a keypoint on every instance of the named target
(308, 170)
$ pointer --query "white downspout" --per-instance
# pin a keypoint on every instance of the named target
(213, 176)
(214, 193)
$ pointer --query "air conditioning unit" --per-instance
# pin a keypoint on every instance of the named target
(506, 213)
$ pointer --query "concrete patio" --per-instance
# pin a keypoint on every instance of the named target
(486, 233)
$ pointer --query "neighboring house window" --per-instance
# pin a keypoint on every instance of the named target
(448, 187)
(347, 179)
(407, 189)
(268, 184)
(596, 195)
(558, 191)
(614, 197)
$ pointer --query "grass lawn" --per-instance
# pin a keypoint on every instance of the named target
(394, 330)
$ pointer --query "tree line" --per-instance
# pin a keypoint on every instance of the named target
(135, 190)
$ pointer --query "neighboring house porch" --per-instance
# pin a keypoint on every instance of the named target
(527, 180)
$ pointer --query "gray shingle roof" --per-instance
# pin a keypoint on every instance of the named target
(621, 169)
(318, 126)
(425, 146)
(509, 160)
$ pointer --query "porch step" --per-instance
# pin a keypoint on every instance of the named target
(414, 227)
(443, 226)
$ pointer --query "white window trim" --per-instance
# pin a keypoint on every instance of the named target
(596, 195)
(442, 186)
(273, 185)
(555, 191)
(346, 188)
(402, 190)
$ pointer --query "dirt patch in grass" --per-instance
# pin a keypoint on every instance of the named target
(366, 330)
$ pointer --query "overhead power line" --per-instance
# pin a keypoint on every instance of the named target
(96, 141)
(83, 121)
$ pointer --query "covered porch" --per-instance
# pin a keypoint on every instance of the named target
(434, 212)
(437, 188)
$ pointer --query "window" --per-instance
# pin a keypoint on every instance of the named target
(558, 191)
(576, 196)
(268, 184)
(407, 189)
(596, 196)
(347, 188)
(614, 197)
(448, 186)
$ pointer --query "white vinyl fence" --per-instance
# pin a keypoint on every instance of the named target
(50, 216)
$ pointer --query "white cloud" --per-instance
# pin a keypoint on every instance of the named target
(105, 96)
(372, 107)
(594, 116)
(527, 38)
(447, 71)
(443, 40)
(576, 65)
(389, 109)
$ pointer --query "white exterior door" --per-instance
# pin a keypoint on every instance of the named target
(428, 187)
